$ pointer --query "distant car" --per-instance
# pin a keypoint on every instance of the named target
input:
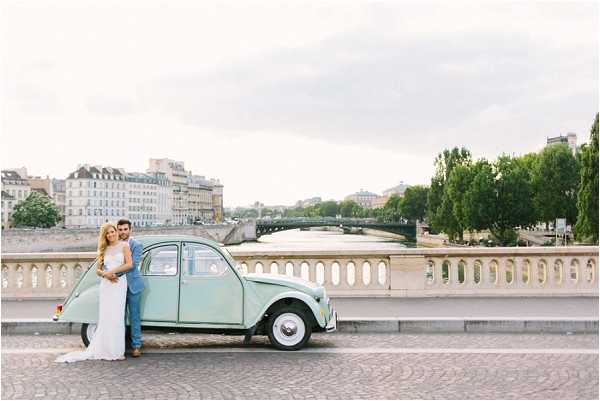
(192, 284)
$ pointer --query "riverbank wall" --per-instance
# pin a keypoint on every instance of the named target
(86, 239)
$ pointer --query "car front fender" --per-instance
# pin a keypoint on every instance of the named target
(312, 304)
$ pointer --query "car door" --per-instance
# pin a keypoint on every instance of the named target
(210, 292)
(159, 268)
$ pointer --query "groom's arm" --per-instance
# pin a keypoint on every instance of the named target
(136, 254)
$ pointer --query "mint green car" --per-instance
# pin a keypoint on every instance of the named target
(192, 284)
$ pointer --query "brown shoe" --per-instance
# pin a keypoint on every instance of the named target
(136, 352)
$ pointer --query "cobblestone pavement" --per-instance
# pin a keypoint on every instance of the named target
(28, 370)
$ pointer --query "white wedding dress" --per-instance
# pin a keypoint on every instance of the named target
(108, 341)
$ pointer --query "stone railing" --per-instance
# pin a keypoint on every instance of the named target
(543, 271)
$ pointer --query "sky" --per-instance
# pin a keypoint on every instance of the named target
(286, 100)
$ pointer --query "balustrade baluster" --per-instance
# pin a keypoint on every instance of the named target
(485, 273)
(297, 268)
(312, 270)
(438, 281)
(27, 286)
(70, 274)
(55, 289)
(327, 281)
(344, 274)
(12, 279)
(453, 273)
(550, 279)
(374, 274)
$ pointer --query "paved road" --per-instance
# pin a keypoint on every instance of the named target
(334, 366)
(559, 307)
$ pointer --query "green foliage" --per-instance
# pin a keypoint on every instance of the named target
(328, 209)
(349, 208)
(587, 196)
(514, 206)
(480, 197)
(391, 211)
(457, 186)
(37, 210)
(555, 180)
(414, 203)
(440, 213)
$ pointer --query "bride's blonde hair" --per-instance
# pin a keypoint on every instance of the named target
(103, 242)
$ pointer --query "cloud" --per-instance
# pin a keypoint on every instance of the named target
(384, 90)
(110, 105)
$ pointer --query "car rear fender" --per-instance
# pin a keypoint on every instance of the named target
(82, 307)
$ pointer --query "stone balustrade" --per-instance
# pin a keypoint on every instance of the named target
(534, 271)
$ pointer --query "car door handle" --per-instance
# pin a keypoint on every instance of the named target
(183, 281)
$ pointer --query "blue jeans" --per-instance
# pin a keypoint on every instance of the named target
(133, 310)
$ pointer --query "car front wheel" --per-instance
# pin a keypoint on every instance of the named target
(288, 329)
(87, 332)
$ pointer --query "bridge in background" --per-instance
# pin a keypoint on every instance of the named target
(263, 226)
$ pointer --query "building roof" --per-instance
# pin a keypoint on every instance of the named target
(11, 175)
(364, 193)
(97, 172)
(398, 189)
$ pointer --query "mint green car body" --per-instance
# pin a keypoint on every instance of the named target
(222, 300)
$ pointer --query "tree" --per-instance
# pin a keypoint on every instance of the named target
(480, 198)
(452, 208)
(555, 182)
(391, 209)
(587, 196)
(499, 198)
(328, 209)
(414, 203)
(349, 208)
(439, 214)
(37, 210)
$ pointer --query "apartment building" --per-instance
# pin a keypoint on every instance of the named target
(95, 195)
(142, 195)
(15, 189)
(200, 199)
(363, 198)
(217, 200)
(178, 177)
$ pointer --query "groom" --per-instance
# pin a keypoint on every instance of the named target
(135, 286)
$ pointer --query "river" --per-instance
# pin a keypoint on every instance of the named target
(318, 241)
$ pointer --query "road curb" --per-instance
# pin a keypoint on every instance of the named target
(373, 325)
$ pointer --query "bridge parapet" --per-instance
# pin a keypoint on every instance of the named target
(534, 271)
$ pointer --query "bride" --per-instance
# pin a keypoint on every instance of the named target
(108, 343)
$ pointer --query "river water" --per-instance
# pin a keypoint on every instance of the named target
(318, 241)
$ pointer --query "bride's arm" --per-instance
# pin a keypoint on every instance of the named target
(128, 263)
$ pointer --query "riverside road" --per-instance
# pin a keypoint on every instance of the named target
(333, 366)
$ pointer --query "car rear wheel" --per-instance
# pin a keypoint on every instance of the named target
(87, 332)
(288, 329)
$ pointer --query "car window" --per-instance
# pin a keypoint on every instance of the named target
(203, 261)
(161, 261)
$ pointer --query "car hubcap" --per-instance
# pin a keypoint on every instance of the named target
(91, 329)
(289, 329)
